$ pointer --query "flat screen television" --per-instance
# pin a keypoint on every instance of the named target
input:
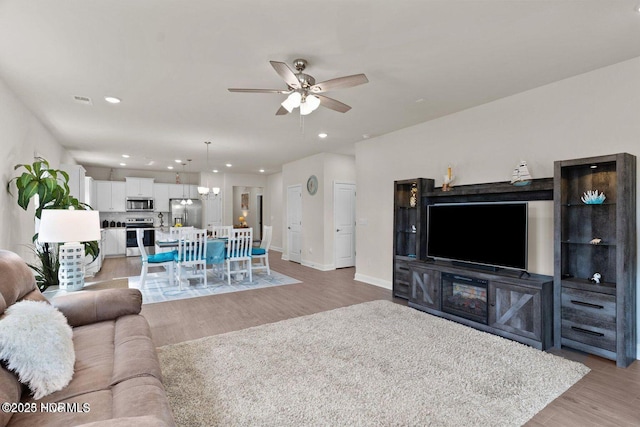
(493, 235)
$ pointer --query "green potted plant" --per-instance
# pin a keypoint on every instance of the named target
(51, 186)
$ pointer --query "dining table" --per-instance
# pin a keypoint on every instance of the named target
(215, 248)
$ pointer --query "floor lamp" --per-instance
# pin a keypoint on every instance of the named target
(69, 227)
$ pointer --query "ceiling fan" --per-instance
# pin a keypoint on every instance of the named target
(303, 90)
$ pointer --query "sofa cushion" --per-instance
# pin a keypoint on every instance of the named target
(36, 342)
(10, 391)
(16, 281)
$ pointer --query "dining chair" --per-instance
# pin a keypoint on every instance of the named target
(163, 259)
(191, 257)
(239, 253)
(261, 254)
(221, 231)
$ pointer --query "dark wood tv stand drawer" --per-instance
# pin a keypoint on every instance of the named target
(589, 318)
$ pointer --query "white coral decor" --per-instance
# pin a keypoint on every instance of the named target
(593, 197)
(36, 341)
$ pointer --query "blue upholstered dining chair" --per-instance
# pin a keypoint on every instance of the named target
(191, 258)
(163, 259)
(239, 253)
(261, 254)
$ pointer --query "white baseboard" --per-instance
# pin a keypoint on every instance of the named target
(373, 281)
(275, 248)
(326, 267)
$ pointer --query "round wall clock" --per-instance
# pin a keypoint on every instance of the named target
(312, 185)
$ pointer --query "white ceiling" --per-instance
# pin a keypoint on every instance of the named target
(172, 61)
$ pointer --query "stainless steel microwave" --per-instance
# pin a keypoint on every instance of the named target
(139, 204)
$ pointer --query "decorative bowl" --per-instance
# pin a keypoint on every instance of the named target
(592, 197)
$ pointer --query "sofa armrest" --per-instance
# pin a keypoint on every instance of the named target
(88, 307)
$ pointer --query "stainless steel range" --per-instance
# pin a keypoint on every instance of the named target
(148, 240)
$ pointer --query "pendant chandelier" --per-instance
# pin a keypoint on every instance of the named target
(204, 191)
(185, 201)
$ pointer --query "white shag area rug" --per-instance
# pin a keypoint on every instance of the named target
(371, 364)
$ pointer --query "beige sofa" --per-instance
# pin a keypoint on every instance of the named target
(116, 370)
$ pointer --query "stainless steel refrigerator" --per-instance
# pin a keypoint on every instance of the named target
(187, 215)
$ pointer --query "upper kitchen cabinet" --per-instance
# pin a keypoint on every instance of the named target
(110, 196)
(139, 187)
(161, 197)
(76, 181)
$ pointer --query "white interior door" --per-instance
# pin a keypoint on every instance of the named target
(294, 223)
(344, 219)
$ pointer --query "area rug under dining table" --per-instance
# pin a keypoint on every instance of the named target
(371, 364)
(158, 289)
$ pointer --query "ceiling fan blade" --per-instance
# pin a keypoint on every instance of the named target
(333, 104)
(284, 91)
(339, 83)
(281, 111)
(286, 73)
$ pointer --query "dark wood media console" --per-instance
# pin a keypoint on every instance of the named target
(517, 308)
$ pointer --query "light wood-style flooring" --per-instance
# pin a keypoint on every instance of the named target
(607, 396)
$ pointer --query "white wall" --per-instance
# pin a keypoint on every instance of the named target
(274, 209)
(21, 136)
(317, 210)
(592, 114)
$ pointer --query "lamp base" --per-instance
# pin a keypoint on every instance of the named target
(71, 272)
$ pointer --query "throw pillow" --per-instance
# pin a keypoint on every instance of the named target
(36, 342)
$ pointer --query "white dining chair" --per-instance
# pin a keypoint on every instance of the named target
(221, 231)
(191, 257)
(163, 259)
(239, 253)
(261, 254)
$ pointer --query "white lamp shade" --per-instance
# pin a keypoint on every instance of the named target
(310, 104)
(203, 190)
(216, 190)
(292, 101)
(63, 225)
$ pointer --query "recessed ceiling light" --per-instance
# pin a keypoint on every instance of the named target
(228, 165)
(169, 167)
(126, 156)
(322, 135)
(261, 170)
(215, 171)
(112, 99)
(178, 161)
(123, 164)
(637, 8)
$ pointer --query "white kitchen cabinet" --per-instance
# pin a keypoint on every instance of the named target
(115, 241)
(110, 196)
(139, 187)
(76, 181)
(89, 192)
(176, 191)
(161, 197)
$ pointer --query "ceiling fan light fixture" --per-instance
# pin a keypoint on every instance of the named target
(292, 101)
(310, 104)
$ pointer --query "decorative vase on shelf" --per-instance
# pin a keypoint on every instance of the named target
(413, 199)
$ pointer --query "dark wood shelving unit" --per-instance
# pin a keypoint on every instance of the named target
(596, 318)
(409, 240)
